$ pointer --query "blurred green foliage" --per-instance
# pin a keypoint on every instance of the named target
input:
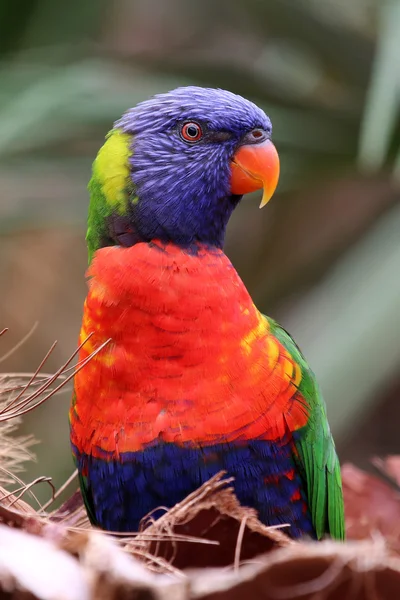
(68, 70)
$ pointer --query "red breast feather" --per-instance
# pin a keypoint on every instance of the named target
(191, 359)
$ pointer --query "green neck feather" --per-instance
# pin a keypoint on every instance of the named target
(110, 188)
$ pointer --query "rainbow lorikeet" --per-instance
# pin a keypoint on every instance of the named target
(195, 379)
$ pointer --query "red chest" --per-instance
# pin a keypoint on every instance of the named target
(191, 358)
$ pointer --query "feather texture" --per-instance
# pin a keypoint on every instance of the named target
(315, 450)
(195, 379)
(110, 190)
(197, 373)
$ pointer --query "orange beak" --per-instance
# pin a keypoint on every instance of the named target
(255, 166)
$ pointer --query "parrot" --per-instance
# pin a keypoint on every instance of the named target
(193, 379)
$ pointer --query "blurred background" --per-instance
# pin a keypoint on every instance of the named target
(323, 258)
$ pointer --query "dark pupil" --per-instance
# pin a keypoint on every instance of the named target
(192, 131)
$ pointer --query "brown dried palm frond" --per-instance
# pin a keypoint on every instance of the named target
(20, 393)
(23, 392)
(14, 450)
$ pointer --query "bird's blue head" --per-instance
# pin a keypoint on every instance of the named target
(175, 166)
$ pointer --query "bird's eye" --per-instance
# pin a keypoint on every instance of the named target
(191, 132)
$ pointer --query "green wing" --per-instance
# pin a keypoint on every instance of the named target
(316, 454)
(86, 494)
(87, 498)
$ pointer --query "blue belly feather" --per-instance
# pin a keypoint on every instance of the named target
(121, 492)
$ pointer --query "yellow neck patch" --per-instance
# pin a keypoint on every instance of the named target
(111, 168)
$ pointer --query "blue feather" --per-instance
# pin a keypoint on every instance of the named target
(121, 492)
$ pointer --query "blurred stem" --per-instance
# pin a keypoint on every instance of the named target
(383, 97)
(14, 19)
